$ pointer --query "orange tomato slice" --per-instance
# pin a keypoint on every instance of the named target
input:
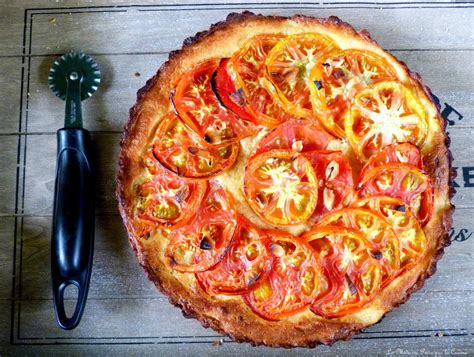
(289, 64)
(281, 187)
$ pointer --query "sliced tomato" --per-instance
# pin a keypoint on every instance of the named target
(245, 265)
(289, 64)
(383, 114)
(294, 281)
(336, 185)
(248, 65)
(354, 275)
(229, 91)
(377, 230)
(412, 239)
(204, 241)
(296, 135)
(185, 153)
(402, 181)
(165, 199)
(198, 106)
(337, 77)
(281, 187)
(404, 153)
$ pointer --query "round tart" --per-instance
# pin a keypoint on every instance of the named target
(285, 181)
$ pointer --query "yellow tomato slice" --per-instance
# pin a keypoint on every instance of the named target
(337, 77)
(289, 64)
(384, 114)
(412, 239)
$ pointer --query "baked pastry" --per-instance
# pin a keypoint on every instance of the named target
(285, 181)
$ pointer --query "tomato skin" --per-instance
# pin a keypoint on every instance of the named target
(198, 106)
(204, 241)
(403, 181)
(337, 77)
(412, 239)
(296, 135)
(353, 274)
(184, 153)
(246, 263)
(292, 284)
(383, 114)
(249, 71)
(281, 187)
(404, 153)
(288, 67)
(336, 183)
(228, 90)
(165, 199)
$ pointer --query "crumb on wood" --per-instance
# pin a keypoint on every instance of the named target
(218, 342)
(439, 334)
(137, 74)
(52, 21)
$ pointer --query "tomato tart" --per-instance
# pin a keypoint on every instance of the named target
(285, 181)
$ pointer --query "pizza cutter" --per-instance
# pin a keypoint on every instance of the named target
(73, 78)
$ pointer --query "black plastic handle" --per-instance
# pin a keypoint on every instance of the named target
(72, 242)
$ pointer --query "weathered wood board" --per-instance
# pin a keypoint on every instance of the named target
(125, 314)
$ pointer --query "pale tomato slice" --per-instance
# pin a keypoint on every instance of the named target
(294, 282)
(354, 275)
(413, 242)
(337, 77)
(248, 66)
(281, 187)
(402, 181)
(383, 114)
(289, 64)
(165, 199)
(185, 153)
(204, 241)
(404, 153)
(376, 229)
(295, 135)
(245, 265)
(198, 106)
(336, 184)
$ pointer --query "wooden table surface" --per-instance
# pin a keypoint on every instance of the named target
(125, 314)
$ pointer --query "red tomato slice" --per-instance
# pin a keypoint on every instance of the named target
(204, 241)
(289, 64)
(353, 274)
(296, 135)
(402, 181)
(336, 184)
(281, 187)
(245, 264)
(295, 280)
(377, 230)
(199, 107)
(412, 239)
(229, 91)
(185, 153)
(404, 153)
(338, 77)
(165, 199)
(383, 114)
(250, 73)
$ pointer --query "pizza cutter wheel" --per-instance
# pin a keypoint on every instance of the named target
(73, 78)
